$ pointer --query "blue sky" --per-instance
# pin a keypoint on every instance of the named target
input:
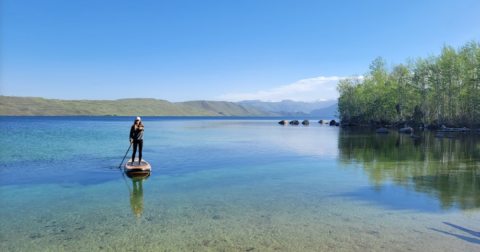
(215, 50)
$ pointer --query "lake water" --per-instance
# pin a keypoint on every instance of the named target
(234, 184)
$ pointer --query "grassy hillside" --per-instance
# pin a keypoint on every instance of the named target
(123, 107)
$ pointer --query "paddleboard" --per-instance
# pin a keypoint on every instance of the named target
(135, 166)
(138, 174)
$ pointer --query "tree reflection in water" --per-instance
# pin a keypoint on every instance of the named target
(447, 169)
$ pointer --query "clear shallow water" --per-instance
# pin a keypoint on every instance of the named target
(234, 185)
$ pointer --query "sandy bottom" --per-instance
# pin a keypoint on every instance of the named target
(223, 210)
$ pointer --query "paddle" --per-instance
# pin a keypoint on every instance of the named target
(125, 156)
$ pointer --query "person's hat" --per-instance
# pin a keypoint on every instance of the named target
(138, 118)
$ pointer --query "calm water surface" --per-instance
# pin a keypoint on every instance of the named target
(226, 184)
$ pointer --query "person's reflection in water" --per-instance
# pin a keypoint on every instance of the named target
(136, 194)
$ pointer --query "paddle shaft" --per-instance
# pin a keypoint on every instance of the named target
(125, 156)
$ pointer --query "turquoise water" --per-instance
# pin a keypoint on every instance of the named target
(226, 184)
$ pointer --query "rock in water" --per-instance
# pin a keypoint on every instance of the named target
(383, 131)
(406, 130)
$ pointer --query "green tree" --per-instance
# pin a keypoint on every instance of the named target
(444, 89)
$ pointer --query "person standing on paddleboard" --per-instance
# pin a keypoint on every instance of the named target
(136, 138)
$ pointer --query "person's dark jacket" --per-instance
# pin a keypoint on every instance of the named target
(136, 134)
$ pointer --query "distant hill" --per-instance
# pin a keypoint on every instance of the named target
(227, 108)
(123, 107)
(288, 105)
(327, 112)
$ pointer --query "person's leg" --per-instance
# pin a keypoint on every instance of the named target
(140, 148)
(134, 150)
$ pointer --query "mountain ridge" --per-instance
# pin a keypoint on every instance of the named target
(38, 106)
(329, 111)
(288, 105)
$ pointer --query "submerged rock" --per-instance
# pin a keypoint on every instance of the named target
(383, 131)
(406, 130)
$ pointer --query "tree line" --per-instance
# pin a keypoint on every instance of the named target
(439, 90)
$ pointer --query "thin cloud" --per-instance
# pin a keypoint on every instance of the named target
(312, 89)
